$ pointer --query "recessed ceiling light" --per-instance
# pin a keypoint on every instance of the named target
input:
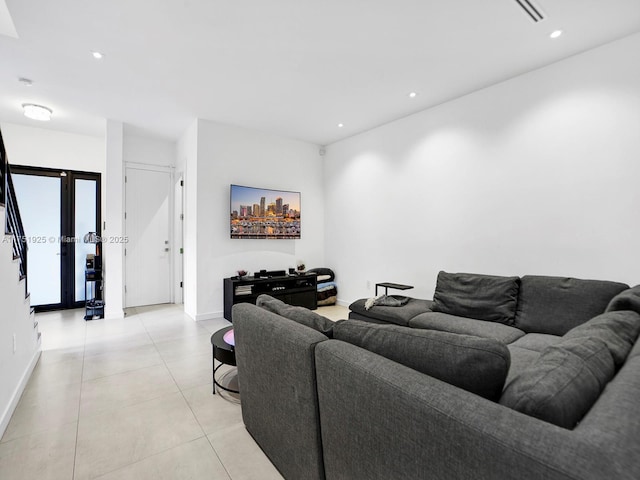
(413, 95)
(37, 112)
(25, 81)
(340, 125)
(556, 34)
(97, 55)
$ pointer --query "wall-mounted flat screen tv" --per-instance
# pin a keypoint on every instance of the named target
(264, 213)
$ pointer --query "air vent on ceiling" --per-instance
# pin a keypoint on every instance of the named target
(532, 10)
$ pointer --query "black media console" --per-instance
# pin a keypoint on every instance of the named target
(292, 289)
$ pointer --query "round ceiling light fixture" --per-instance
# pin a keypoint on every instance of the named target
(37, 112)
(97, 55)
(413, 95)
(340, 125)
(555, 34)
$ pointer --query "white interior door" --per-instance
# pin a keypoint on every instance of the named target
(147, 224)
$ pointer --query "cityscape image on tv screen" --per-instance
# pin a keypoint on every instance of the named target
(264, 213)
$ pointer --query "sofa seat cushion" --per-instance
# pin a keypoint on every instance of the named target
(563, 383)
(397, 315)
(619, 330)
(536, 341)
(300, 315)
(554, 305)
(478, 365)
(483, 297)
(466, 326)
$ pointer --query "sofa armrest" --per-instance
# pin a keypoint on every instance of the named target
(276, 376)
(381, 420)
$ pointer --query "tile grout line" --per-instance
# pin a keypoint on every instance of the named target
(215, 452)
(84, 351)
(121, 373)
(204, 434)
(148, 457)
(162, 363)
(154, 398)
(26, 392)
(75, 450)
(127, 372)
(81, 349)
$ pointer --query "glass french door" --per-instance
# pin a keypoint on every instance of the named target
(58, 209)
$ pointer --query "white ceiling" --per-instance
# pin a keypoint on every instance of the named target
(294, 68)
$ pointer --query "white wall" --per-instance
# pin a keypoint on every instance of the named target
(148, 150)
(227, 155)
(40, 147)
(536, 175)
(15, 365)
(113, 265)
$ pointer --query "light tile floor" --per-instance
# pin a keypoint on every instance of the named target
(129, 399)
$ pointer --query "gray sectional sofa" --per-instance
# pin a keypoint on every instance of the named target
(496, 378)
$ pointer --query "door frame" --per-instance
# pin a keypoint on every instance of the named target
(162, 169)
(178, 229)
(67, 227)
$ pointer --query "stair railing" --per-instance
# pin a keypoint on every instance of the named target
(13, 223)
(3, 169)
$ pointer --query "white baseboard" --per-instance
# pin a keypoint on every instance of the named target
(17, 393)
(207, 316)
(343, 303)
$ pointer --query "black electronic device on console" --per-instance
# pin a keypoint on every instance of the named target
(272, 273)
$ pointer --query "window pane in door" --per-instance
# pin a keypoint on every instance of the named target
(39, 204)
(85, 222)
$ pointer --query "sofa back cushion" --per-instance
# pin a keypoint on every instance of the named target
(300, 315)
(478, 365)
(619, 330)
(563, 383)
(483, 297)
(555, 305)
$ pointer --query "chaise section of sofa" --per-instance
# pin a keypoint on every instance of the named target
(498, 307)
(396, 315)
